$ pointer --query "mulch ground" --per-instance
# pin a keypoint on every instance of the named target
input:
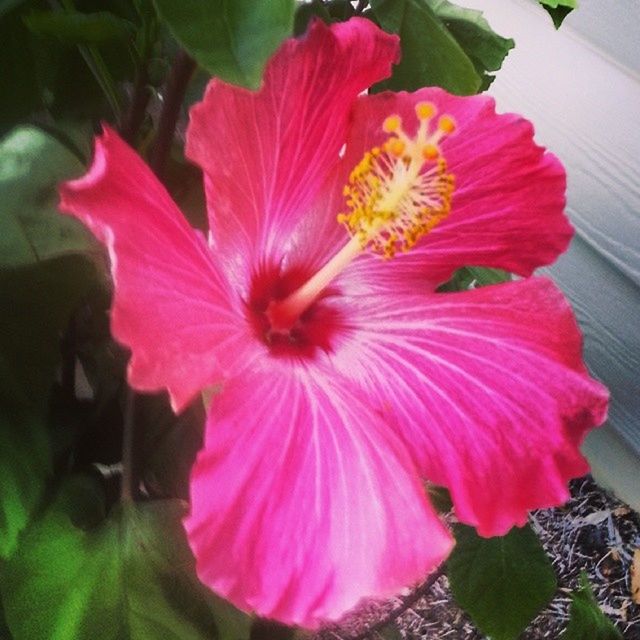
(594, 532)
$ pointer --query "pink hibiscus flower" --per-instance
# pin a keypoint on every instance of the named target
(346, 379)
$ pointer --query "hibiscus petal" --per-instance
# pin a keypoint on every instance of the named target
(507, 208)
(171, 305)
(266, 154)
(487, 388)
(303, 501)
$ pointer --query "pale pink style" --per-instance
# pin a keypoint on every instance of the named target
(307, 495)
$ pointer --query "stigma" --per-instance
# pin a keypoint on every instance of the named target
(400, 190)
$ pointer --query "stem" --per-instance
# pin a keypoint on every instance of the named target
(126, 491)
(179, 76)
(141, 92)
(68, 371)
(409, 600)
(135, 116)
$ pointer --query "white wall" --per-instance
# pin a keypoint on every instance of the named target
(581, 88)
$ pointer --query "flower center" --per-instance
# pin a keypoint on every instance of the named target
(396, 194)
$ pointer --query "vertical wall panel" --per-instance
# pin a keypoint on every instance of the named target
(581, 88)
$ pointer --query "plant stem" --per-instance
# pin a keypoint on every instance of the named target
(134, 118)
(181, 71)
(68, 369)
(135, 115)
(126, 491)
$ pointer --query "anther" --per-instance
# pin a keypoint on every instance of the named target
(447, 124)
(396, 147)
(391, 124)
(430, 152)
(425, 110)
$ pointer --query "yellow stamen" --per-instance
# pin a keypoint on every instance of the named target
(396, 147)
(447, 124)
(391, 124)
(398, 195)
(425, 110)
(430, 152)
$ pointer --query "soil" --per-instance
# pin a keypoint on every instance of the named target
(594, 532)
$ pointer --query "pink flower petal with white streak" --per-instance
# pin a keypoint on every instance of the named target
(508, 203)
(303, 501)
(172, 307)
(487, 388)
(265, 155)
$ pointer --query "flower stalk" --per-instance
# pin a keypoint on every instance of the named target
(177, 82)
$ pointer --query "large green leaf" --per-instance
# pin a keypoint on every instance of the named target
(32, 164)
(559, 9)
(38, 301)
(485, 48)
(129, 576)
(587, 621)
(232, 39)
(24, 466)
(501, 582)
(74, 27)
(430, 54)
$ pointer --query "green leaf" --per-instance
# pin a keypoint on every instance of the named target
(4, 630)
(41, 299)
(18, 80)
(24, 467)
(502, 582)
(485, 48)
(473, 277)
(558, 9)
(129, 577)
(231, 39)
(587, 622)
(74, 27)
(9, 5)
(554, 4)
(32, 164)
(430, 54)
